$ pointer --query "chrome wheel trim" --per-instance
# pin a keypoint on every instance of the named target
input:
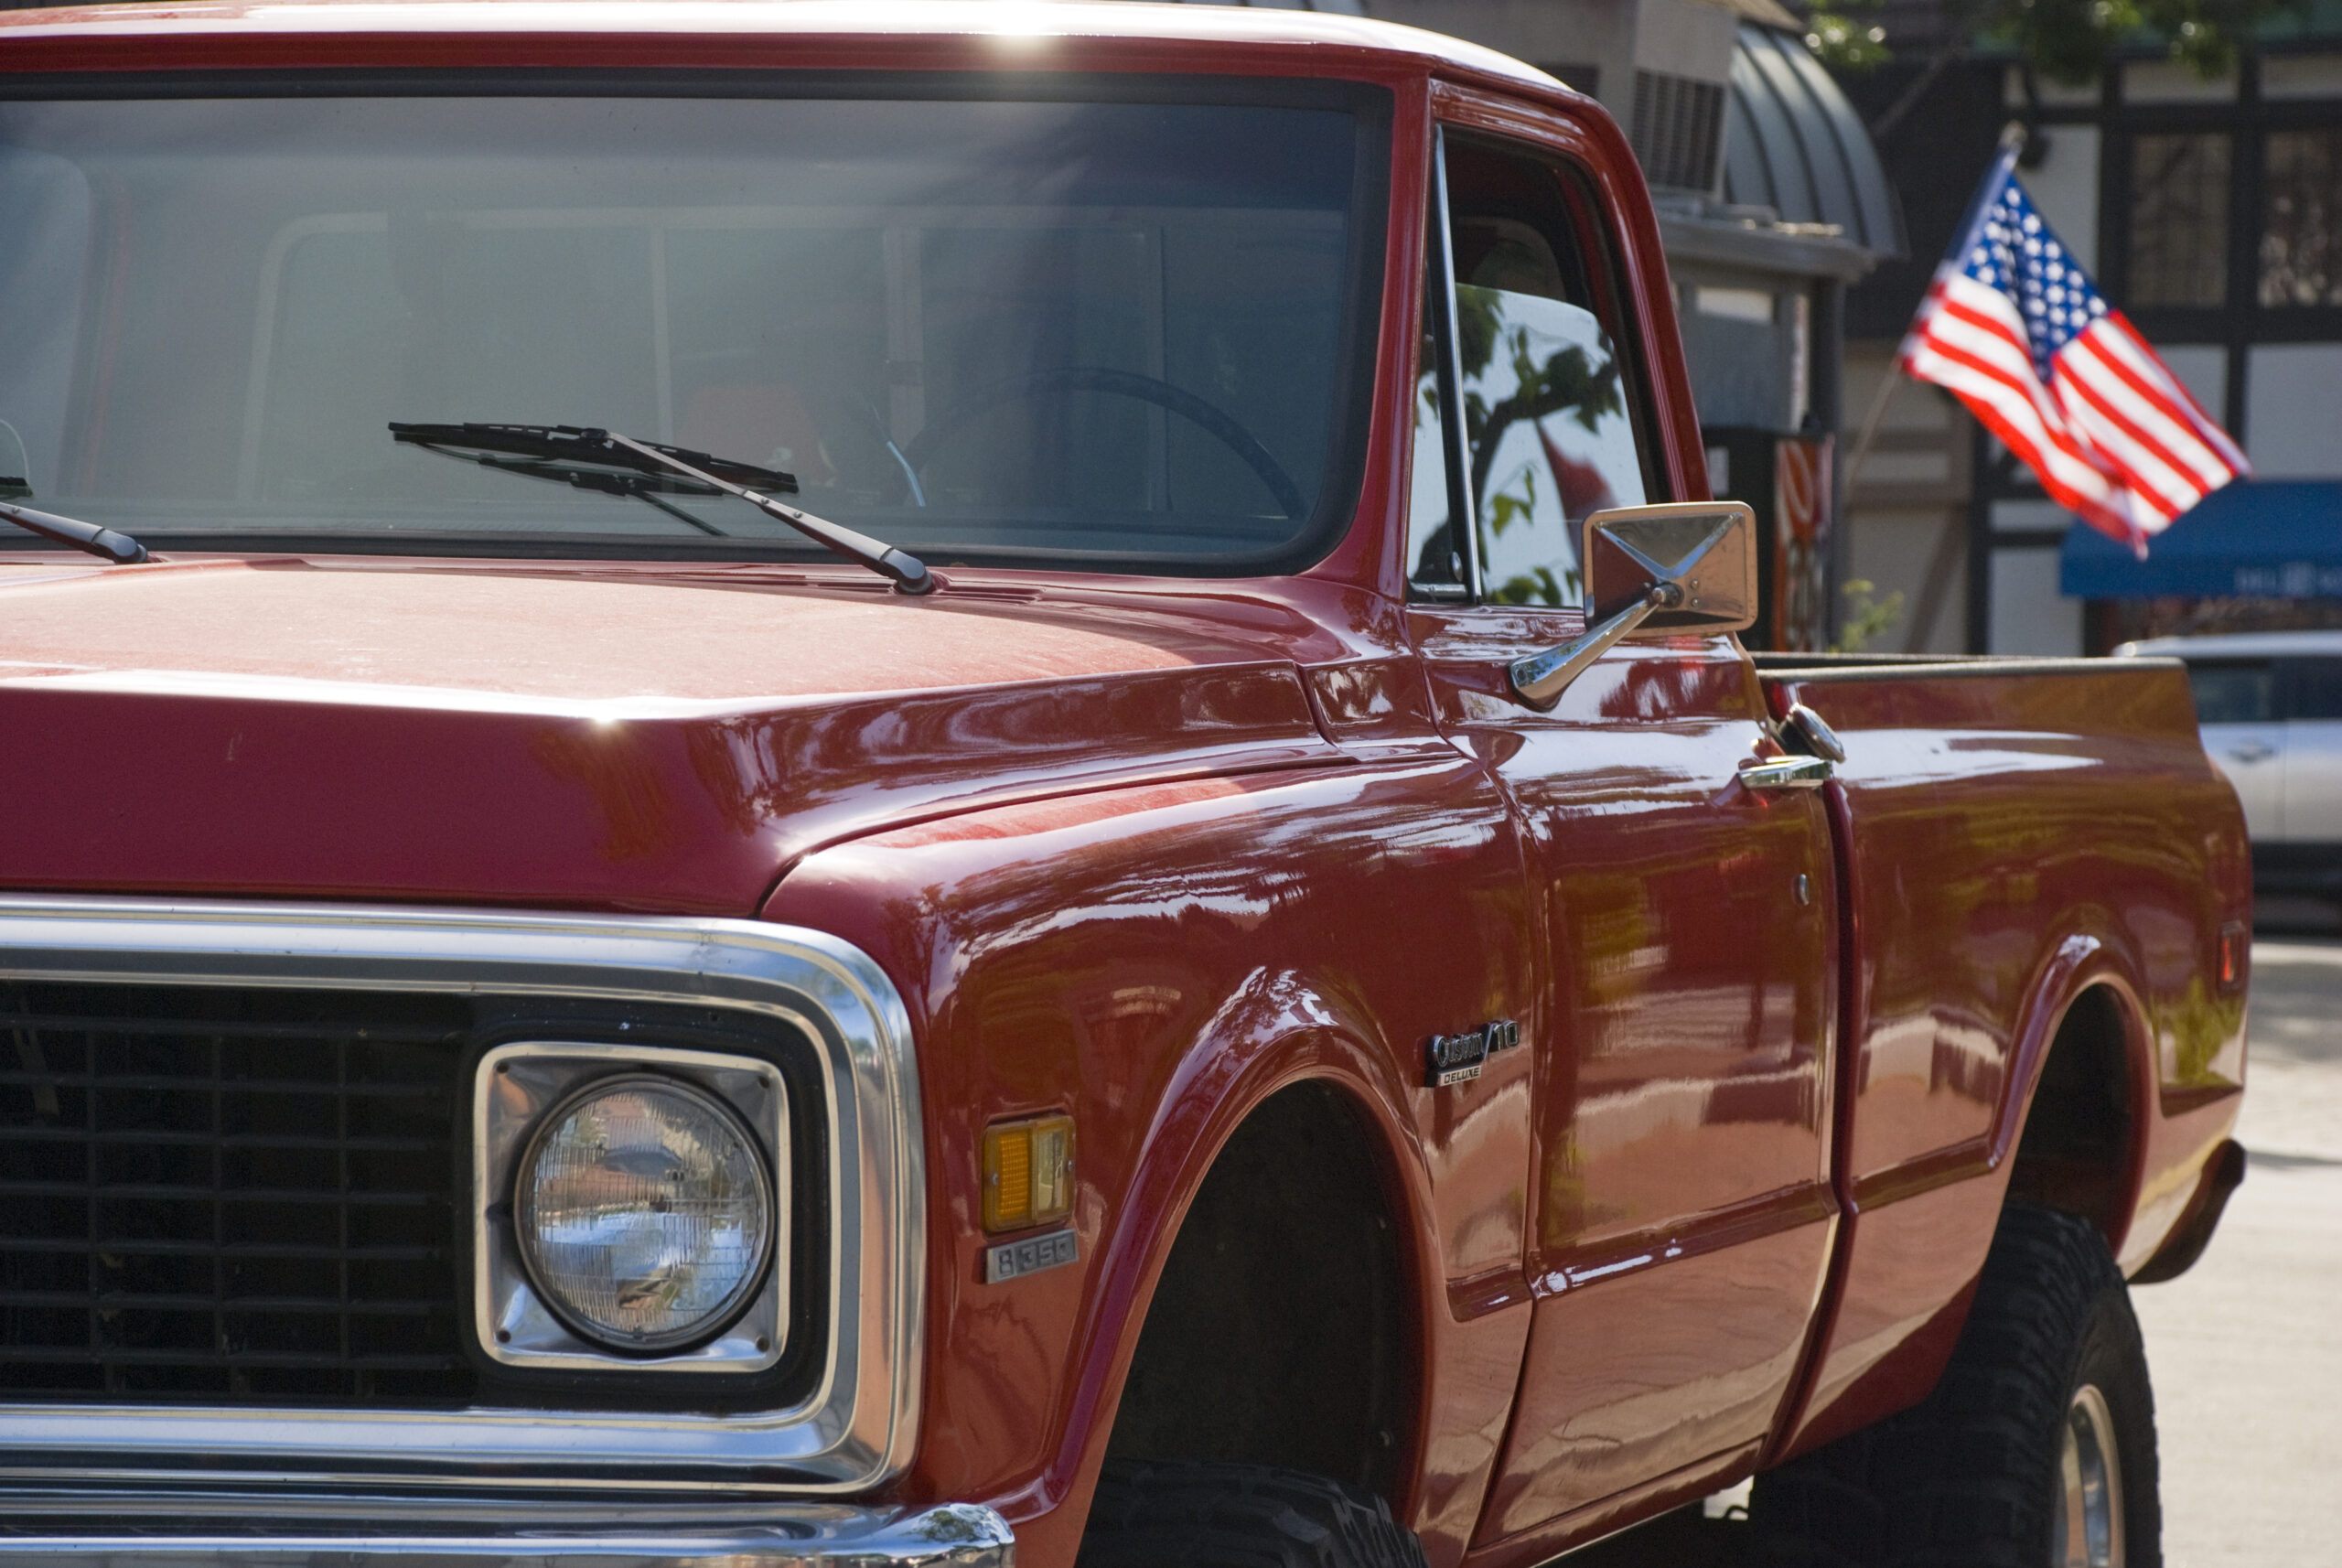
(2088, 1529)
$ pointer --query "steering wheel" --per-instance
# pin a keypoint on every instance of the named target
(1146, 389)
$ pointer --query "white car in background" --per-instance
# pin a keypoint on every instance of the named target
(2270, 704)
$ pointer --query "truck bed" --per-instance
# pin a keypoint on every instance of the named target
(2016, 835)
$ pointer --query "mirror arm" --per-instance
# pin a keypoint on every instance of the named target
(1539, 679)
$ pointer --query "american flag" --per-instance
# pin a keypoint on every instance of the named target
(2015, 329)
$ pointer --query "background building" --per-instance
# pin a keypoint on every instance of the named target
(2211, 213)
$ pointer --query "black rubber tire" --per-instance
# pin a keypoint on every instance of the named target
(1969, 1478)
(1180, 1515)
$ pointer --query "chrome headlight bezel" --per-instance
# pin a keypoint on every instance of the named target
(519, 1088)
(527, 1195)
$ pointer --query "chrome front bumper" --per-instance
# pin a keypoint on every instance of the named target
(813, 1535)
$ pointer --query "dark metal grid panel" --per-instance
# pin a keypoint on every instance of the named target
(220, 1194)
(1677, 125)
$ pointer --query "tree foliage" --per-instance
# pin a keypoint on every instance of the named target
(1567, 381)
(2065, 40)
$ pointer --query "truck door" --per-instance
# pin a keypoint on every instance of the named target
(1679, 1211)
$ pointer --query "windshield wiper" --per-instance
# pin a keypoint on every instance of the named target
(641, 486)
(596, 459)
(118, 548)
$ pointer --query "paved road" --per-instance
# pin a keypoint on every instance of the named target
(2246, 1348)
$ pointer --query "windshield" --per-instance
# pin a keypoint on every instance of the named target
(1064, 333)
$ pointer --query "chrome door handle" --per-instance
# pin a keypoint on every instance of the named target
(1786, 773)
(2251, 751)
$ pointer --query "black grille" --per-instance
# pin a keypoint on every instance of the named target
(227, 1195)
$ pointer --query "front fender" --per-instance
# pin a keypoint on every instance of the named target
(1158, 961)
(1278, 1029)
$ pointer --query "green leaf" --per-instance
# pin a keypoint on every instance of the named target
(1846, 43)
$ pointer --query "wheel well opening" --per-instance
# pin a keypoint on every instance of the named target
(2073, 1155)
(1277, 1334)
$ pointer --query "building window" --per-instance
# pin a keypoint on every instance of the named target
(2179, 220)
(2301, 244)
(1678, 123)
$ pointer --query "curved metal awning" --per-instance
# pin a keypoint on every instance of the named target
(2260, 539)
(1794, 143)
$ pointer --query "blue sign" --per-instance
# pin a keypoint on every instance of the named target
(2273, 538)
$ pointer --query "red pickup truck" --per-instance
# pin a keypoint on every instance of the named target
(819, 784)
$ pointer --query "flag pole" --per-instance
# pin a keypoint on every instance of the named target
(1879, 400)
(2013, 136)
(1940, 564)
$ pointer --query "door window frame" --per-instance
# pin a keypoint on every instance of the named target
(1439, 286)
(1605, 264)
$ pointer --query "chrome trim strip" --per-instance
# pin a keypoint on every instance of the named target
(1826, 668)
(950, 1535)
(854, 1431)
(1463, 502)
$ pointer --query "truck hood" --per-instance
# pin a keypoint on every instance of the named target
(620, 738)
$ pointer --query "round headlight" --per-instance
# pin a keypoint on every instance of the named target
(644, 1213)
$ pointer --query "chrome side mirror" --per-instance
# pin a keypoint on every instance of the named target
(1683, 566)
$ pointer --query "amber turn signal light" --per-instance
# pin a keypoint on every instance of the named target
(1028, 1173)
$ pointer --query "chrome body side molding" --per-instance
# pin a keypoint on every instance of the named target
(853, 1431)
